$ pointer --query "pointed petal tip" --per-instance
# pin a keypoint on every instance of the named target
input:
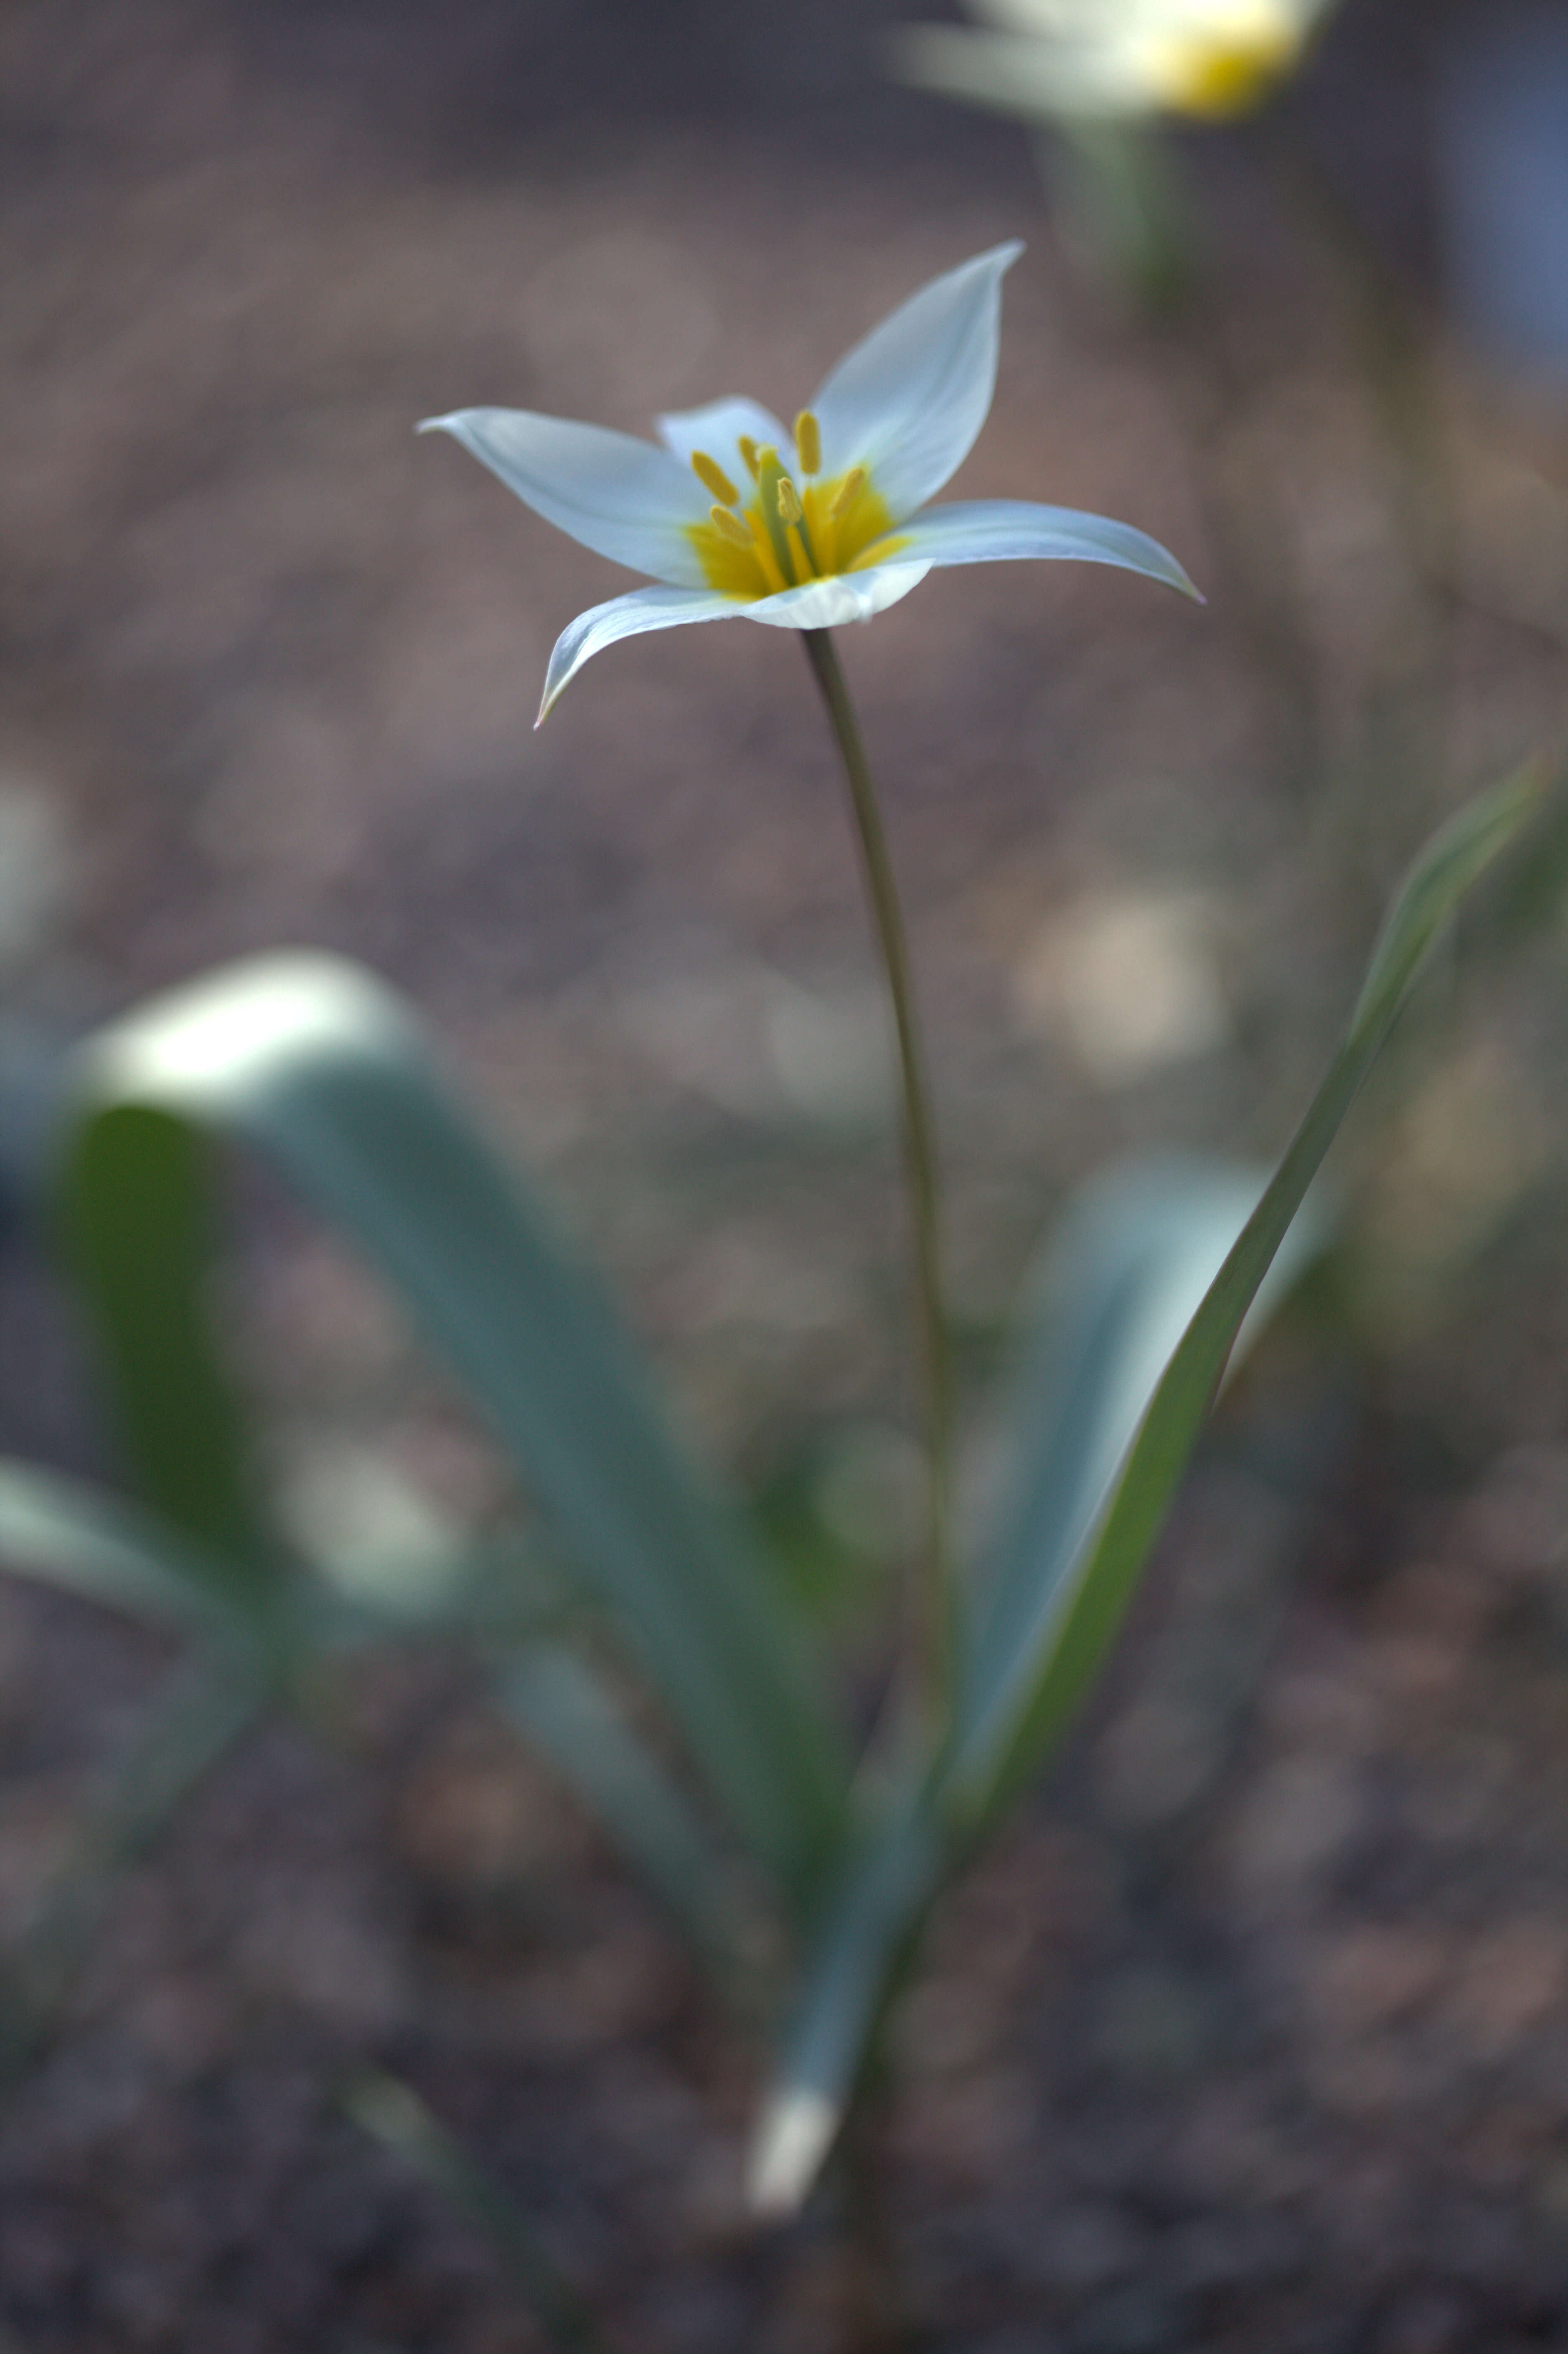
(909, 400)
(999, 258)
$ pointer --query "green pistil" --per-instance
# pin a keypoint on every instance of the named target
(769, 474)
(794, 515)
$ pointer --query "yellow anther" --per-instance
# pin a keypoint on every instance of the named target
(712, 478)
(848, 490)
(729, 525)
(808, 442)
(752, 455)
(1218, 78)
(790, 507)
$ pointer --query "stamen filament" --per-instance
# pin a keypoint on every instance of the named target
(775, 576)
(713, 479)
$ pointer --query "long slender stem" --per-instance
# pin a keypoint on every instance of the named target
(919, 1152)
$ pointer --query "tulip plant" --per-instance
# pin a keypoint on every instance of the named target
(1115, 60)
(1104, 80)
(316, 1067)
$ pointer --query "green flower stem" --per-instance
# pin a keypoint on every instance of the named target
(920, 1160)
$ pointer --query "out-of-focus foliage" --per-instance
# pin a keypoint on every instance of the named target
(316, 1067)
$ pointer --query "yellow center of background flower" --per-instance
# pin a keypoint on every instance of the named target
(1220, 77)
(841, 523)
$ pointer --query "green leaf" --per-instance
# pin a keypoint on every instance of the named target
(1019, 1695)
(133, 1213)
(192, 1719)
(317, 1065)
(395, 2115)
(1010, 1706)
(1130, 1265)
(67, 1535)
(1128, 1272)
(868, 1930)
(570, 1716)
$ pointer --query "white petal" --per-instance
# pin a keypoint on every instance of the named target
(1048, 20)
(624, 498)
(907, 402)
(717, 430)
(847, 597)
(628, 616)
(1033, 77)
(993, 531)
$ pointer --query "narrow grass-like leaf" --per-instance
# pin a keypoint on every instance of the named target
(395, 2115)
(67, 1535)
(568, 1714)
(1010, 1706)
(316, 1064)
(1131, 1263)
(1128, 1272)
(134, 1208)
(1020, 1692)
(886, 1888)
(193, 1717)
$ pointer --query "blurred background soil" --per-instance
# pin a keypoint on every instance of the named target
(1253, 2033)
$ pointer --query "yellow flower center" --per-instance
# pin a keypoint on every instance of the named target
(786, 533)
(1218, 75)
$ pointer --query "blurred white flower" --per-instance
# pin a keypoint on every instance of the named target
(733, 516)
(1103, 61)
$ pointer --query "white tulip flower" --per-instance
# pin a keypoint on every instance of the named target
(734, 517)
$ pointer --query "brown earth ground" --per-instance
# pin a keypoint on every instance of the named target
(1251, 2033)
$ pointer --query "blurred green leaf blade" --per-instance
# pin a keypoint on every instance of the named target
(314, 1064)
(393, 2113)
(571, 1717)
(134, 1213)
(887, 1887)
(1023, 1692)
(63, 1533)
(1136, 1254)
(1004, 1727)
(188, 1723)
